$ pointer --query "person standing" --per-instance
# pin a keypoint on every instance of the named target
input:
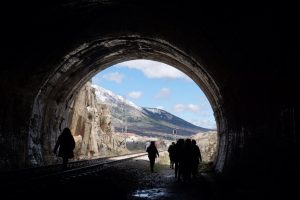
(66, 145)
(171, 151)
(178, 158)
(152, 154)
(196, 158)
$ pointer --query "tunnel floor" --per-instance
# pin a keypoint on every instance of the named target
(132, 180)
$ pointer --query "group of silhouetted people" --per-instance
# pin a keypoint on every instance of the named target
(186, 156)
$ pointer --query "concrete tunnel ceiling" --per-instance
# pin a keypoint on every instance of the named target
(50, 110)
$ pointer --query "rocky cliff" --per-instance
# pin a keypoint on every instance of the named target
(90, 124)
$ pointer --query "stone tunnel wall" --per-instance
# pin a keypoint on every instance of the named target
(240, 50)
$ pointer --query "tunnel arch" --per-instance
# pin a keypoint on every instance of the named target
(51, 104)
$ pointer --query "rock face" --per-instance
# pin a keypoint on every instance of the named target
(90, 124)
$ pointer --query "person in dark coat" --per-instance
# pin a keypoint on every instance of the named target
(196, 158)
(186, 165)
(171, 151)
(66, 145)
(178, 158)
(152, 154)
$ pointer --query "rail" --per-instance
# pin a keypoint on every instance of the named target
(51, 172)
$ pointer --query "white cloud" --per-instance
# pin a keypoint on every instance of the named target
(163, 93)
(153, 69)
(187, 108)
(114, 76)
(96, 80)
(205, 123)
(135, 94)
(179, 108)
(193, 108)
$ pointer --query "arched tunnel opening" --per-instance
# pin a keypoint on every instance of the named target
(51, 110)
(243, 59)
(129, 104)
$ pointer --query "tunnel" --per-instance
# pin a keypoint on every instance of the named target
(235, 55)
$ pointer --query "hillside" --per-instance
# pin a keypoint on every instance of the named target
(141, 120)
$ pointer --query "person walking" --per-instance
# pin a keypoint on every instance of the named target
(66, 145)
(152, 154)
(171, 151)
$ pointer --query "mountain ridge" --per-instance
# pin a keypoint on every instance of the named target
(144, 121)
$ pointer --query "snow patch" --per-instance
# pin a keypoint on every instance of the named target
(106, 96)
(154, 110)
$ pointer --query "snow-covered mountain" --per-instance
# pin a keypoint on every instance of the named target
(143, 121)
(106, 96)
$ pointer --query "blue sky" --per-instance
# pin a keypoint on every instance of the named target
(157, 85)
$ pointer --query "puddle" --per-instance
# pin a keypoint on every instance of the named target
(150, 193)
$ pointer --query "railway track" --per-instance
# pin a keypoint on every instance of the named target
(54, 172)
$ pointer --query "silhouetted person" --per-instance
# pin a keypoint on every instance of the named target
(178, 158)
(152, 153)
(66, 144)
(171, 151)
(186, 165)
(196, 158)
